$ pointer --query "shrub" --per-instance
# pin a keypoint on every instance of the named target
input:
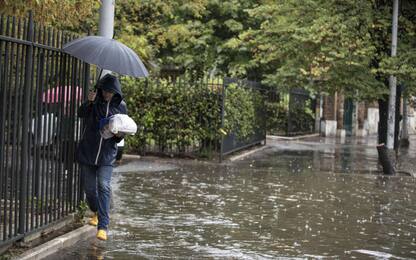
(184, 115)
(173, 115)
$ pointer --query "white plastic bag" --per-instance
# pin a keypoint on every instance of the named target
(119, 123)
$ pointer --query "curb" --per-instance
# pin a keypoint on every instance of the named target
(132, 156)
(241, 156)
(58, 243)
(54, 227)
(277, 137)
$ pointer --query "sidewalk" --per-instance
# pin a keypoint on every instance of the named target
(353, 154)
(130, 163)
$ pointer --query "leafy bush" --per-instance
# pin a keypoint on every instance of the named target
(239, 116)
(277, 116)
(173, 115)
(184, 115)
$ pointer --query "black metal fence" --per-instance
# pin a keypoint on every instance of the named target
(243, 115)
(290, 113)
(40, 89)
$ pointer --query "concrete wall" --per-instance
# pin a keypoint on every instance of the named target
(329, 112)
(365, 117)
(329, 128)
(412, 124)
(371, 123)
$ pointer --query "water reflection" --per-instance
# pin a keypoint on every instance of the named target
(97, 251)
(281, 203)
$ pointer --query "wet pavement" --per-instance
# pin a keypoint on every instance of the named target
(316, 198)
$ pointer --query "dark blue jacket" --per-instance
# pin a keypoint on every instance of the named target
(93, 149)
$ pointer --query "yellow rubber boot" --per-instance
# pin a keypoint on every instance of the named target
(102, 234)
(94, 220)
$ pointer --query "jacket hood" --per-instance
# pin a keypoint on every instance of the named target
(111, 83)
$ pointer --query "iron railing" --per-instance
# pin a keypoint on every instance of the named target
(290, 113)
(243, 115)
(40, 90)
(301, 119)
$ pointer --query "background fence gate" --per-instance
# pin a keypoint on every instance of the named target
(301, 118)
(290, 113)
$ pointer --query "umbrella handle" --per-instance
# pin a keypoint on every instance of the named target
(95, 87)
(99, 76)
(98, 79)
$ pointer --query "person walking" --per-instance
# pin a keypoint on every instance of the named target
(95, 154)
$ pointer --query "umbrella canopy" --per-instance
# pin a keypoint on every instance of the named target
(107, 54)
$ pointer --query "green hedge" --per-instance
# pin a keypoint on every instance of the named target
(173, 116)
(241, 104)
(184, 115)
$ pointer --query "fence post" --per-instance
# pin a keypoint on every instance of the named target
(265, 95)
(289, 121)
(85, 90)
(26, 117)
(222, 119)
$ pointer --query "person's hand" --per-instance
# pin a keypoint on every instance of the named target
(91, 96)
(119, 135)
(103, 122)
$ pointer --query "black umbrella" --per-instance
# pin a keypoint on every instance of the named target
(107, 54)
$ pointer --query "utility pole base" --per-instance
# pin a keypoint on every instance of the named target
(404, 143)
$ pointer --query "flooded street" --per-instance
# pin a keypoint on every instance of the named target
(298, 200)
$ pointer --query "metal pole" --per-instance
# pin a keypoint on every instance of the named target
(404, 138)
(317, 109)
(321, 112)
(288, 114)
(392, 79)
(405, 132)
(106, 26)
(26, 118)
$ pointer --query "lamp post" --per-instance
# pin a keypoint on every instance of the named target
(106, 25)
(392, 79)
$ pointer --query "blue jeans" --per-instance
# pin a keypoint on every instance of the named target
(98, 191)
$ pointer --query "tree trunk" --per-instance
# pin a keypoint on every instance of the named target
(385, 160)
